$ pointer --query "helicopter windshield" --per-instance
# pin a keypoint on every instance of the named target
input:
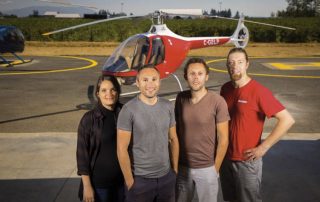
(131, 54)
(11, 39)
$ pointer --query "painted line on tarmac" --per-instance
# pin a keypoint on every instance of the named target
(264, 75)
(295, 66)
(93, 63)
(136, 92)
(130, 93)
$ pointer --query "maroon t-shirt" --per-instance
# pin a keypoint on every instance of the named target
(196, 128)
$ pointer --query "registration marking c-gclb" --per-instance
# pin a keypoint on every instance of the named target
(210, 42)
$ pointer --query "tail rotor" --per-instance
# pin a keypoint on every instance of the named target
(240, 37)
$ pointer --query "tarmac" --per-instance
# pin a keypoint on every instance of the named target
(39, 167)
(40, 113)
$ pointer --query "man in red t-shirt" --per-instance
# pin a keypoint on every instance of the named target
(249, 103)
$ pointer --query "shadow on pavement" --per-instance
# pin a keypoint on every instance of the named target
(290, 171)
(40, 190)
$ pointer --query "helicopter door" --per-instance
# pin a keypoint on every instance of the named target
(140, 53)
(131, 54)
(157, 54)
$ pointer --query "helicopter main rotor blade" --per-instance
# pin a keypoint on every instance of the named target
(254, 22)
(92, 23)
(271, 25)
(68, 4)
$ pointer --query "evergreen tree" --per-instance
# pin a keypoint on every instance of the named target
(213, 12)
(272, 15)
(299, 8)
(102, 12)
(229, 14)
(237, 15)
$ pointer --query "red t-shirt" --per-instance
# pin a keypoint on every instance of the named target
(248, 106)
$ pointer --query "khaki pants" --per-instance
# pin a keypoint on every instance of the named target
(241, 180)
(197, 185)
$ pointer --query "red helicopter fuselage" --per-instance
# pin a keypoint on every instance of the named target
(159, 47)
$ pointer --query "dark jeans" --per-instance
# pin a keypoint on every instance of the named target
(152, 189)
(115, 194)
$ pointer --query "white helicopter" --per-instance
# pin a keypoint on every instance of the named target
(161, 47)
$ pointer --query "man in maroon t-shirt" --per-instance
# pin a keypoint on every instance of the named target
(249, 103)
(202, 128)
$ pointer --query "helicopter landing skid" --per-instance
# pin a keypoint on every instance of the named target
(12, 63)
(178, 81)
(6, 61)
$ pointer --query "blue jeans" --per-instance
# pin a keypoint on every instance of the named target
(109, 194)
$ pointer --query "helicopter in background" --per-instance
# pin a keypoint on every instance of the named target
(11, 41)
(161, 47)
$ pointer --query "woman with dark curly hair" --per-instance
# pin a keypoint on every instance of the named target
(101, 176)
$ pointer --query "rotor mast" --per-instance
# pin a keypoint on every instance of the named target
(157, 18)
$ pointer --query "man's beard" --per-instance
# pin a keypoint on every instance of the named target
(236, 77)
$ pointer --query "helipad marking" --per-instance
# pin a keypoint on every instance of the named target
(265, 75)
(93, 64)
(295, 66)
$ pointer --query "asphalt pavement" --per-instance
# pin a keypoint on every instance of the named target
(42, 103)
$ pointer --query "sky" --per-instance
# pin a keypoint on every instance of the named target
(252, 8)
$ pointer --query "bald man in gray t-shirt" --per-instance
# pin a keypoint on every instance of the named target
(149, 125)
(146, 131)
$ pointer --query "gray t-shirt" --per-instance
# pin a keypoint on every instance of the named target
(149, 146)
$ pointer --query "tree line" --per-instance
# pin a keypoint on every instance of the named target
(301, 8)
(308, 29)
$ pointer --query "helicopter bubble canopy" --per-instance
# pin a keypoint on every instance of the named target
(129, 55)
(11, 39)
(134, 53)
